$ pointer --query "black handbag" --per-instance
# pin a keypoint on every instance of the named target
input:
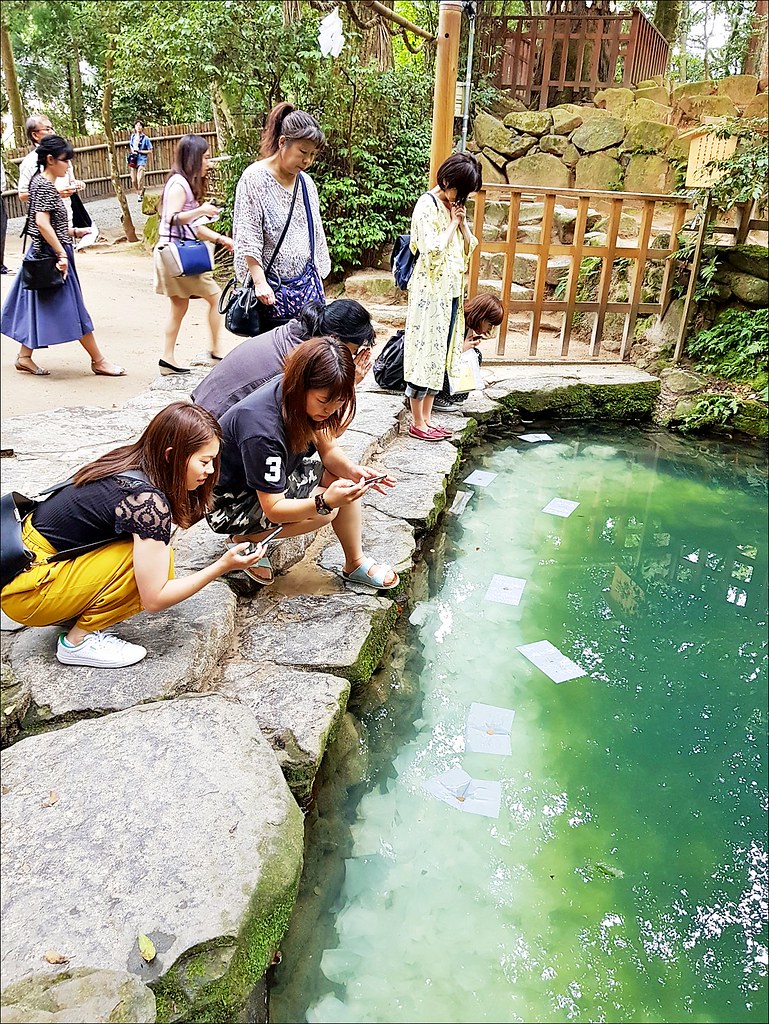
(39, 272)
(15, 556)
(81, 218)
(388, 366)
(244, 314)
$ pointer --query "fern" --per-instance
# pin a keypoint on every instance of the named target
(736, 347)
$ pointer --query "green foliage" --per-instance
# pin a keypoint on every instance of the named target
(736, 347)
(710, 411)
(745, 175)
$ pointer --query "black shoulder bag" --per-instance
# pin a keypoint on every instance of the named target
(15, 556)
(241, 308)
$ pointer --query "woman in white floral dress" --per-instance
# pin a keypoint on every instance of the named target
(290, 142)
(434, 320)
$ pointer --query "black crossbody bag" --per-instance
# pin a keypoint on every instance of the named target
(15, 556)
(39, 272)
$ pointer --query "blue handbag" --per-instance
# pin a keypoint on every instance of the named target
(186, 257)
(292, 293)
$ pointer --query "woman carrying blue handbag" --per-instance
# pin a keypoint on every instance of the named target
(280, 244)
(184, 253)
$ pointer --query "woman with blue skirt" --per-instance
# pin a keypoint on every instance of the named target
(51, 316)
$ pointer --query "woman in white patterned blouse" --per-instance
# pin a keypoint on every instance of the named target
(290, 142)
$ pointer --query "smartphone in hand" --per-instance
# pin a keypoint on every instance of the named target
(250, 550)
(375, 479)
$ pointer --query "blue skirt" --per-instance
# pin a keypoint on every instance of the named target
(50, 317)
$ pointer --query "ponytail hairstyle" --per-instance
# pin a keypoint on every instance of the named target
(483, 308)
(188, 161)
(55, 146)
(323, 364)
(185, 429)
(284, 119)
(345, 319)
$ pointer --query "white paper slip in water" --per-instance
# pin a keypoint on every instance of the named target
(549, 659)
(471, 796)
(505, 590)
(487, 730)
(531, 438)
(480, 478)
(459, 504)
(560, 507)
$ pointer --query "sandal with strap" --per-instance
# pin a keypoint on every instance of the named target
(114, 371)
(377, 581)
(34, 369)
(263, 563)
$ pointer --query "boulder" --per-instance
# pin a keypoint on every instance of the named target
(530, 213)
(708, 106)
(172, 820)
(489, 132)
(599, 172)
(558, 268)
(530, 122)
(682, 382)
(613, 99)
(83, 995)
(555, 144)
(655, 93)
(741, 89)
(505, 104)
(494, 287)
(564, 120)
(750, 259)
(531, 234)
(491, 264)
(648, 83)
(645, 110)
(758, 107)
(489, 172)
(753, 291)
(649, 137)
(372, 286)
(649, 174)
(564, 221)
(678, 149)
(689, 89)
(541, 169)
(525, 268)
(571, 156)
(495, 158)
(598, 134)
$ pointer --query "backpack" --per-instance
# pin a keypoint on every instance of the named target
(388, 366)
(403, 260)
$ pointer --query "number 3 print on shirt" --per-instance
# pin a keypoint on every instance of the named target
(273, 474)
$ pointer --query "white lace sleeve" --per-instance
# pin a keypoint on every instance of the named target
(322, 256)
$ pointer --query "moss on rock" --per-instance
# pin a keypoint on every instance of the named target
(585, 401)
(752, 418)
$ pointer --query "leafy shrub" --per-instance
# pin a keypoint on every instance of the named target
(736, 347)
(710, 411)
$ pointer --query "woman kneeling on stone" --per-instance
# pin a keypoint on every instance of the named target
(173, 468)
(281, 464)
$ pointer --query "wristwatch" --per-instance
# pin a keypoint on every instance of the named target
(320, 505)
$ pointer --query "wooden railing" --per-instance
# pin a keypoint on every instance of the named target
(611, 277)
(90, 160)
(558, 57)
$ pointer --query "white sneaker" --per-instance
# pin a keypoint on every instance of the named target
(100, 650)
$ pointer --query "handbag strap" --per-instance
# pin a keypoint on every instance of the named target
(276, 250)
(308, 211)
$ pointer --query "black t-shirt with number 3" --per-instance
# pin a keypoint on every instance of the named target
(255, 454)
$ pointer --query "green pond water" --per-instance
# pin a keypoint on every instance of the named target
(625, 877)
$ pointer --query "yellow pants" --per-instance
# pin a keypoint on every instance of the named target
(97, 589)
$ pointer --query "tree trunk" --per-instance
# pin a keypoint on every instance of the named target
(756, 55)
(12, 86)
(112, 159)
(375, 42)
(76, 90)
(667, 14)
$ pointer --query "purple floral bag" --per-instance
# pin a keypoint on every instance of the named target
(294, 292)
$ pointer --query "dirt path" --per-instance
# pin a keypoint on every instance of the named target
(128, 319)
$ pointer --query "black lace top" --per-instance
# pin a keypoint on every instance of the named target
(103, 510)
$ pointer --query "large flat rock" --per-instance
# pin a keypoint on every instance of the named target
(343, 634)
(82, 995)
(173, 820)
(384, 538)
(83, 433)
(296, 711)
(185, 645)
(422, 470)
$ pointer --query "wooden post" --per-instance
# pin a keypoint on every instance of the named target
(446, 61)
(695, 269)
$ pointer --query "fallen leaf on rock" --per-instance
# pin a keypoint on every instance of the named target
(6, 789)
(53, 798)
(52, 957)
(146, 948)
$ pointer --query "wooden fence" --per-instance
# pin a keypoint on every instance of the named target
(90, 160)
(558, 58)
(597, 260)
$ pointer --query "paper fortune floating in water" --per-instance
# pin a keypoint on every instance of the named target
(531, 438)
(560, 507)
(505, 590)
(480, 478)
(488, 729)
(331, 35)
(459, 504)
(549, 659)
(461, 791)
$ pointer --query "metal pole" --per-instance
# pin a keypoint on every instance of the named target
(470, 9)
(444, 98)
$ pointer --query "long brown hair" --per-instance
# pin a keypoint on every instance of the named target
(185, 429)
(483, 307)
(323, 364)
(188, 161)
(285, 119)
